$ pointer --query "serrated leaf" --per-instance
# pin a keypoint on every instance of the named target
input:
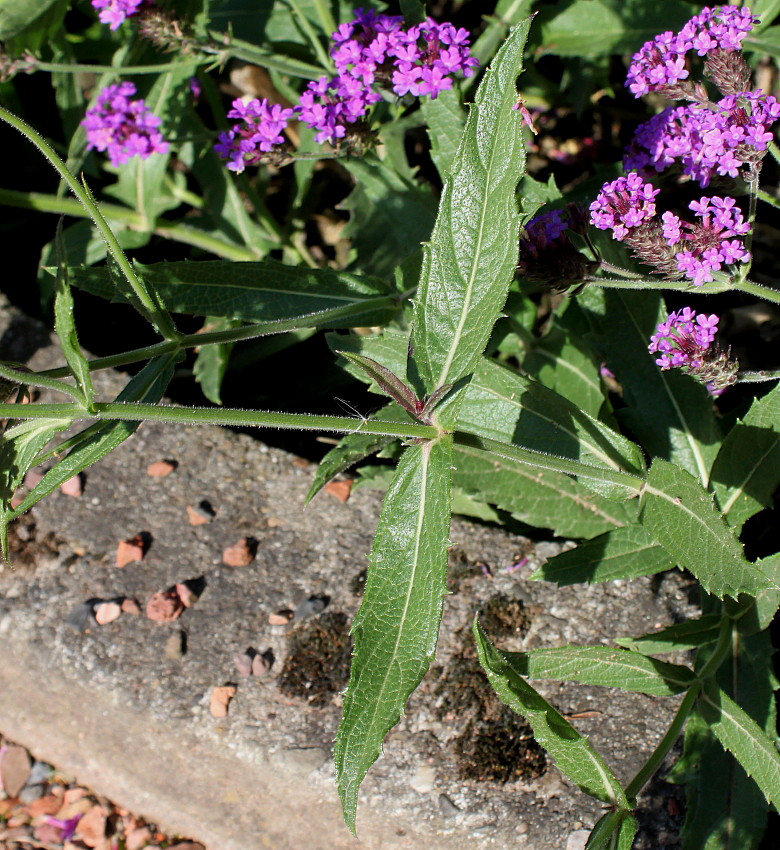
(98, 440)
(680, 515)
(471, 258)
(743, 737)
(572, 752)
(625, 553)
(600, 665)
(690, 634)
(541, 498)
(503, 405)
(65, 325)
(389, 348)
(397, 625)
(746, 471)
(445, 118)
(257, 292)
(669, 413)
(354, 448)
(19, 446)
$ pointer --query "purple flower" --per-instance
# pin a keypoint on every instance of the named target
(623, 205)
(659, 65)
(328, 106)
(258, 131)
(114, 12)
(122, 127)
(686, 341)
(707, 141)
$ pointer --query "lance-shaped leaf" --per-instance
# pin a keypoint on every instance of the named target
(65, 324)
(600, 665)
(504, 405)
(745, 739)
(257, 292)
(444, 118)
(472, 255)
(541, 498)
(398, 623)
(746, 471)
(682, 636)
(572, 752)
(679, 514)
(625, 553)
(387, 381)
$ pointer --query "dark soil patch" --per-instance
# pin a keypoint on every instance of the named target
(496, 745)
(317, 666)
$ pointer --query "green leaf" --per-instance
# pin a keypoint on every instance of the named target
(503, 405)
(766, 10)
(212, 361)
(16, 16)
(572, 752)
(669, 413)
(598, 27)
(65, 326)
(600, 665)
(445, 119)
(471, 258)
(624, 553)
(19, 447)
(390, 215)
(354, 448)
(256, 292)
(680, 515)
(397, 625)
(690, 634)
(562, 361)
(540, 498)
(746, 471)
(506, 14)
(613, 831)
(745, 739)
(98, 440)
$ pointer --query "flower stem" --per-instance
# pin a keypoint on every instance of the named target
(35, 379)
(126, 70)
(149, 306)
(757, 289)
(763, 195)
(308, 30)
(608, 267)
(225, 46)
(757, 377)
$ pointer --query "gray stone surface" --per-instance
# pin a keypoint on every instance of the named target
(132, 720)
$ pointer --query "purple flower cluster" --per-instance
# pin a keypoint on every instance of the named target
(679, 248)
(707, 141)
(114, 12)
(660, 65)
(122, 127)
(711, 243)
(258, 131)
(371, 50)
(686, 341)
(683, 339)
(623, 205)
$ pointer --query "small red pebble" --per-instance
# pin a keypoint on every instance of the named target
(240, 554)
(91, 828)
(220, 699)
(280, 618)
(161, 468)
(339, 489)
(73, 487)
(130, 606)
(198, 515)
(130, 550)
(188, 597)
(48, 805)
(32, 478)
(107, 612)
(164, 607)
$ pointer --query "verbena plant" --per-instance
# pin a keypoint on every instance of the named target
(579, 429)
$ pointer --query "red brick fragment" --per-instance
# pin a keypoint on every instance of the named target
(339, 489)
(130, 550)
(220, 699)
(73, 487)
(161, 468)
(240, 554)
(165, 606)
